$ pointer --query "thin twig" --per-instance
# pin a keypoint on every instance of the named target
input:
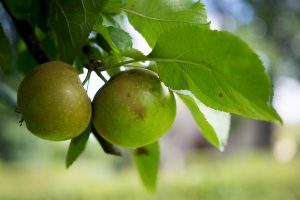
(87, 77)
(107, 67)
(101, 76)
(27, 34)
(94, 64)
(134, 66)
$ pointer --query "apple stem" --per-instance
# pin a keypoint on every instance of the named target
(101, 76)
(87, 77)
(94, 64)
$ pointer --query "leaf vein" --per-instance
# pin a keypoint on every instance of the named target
(156, 19)
(67, 22)
(84, 10)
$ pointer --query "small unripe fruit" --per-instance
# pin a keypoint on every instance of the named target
(53, 102)
(133, 109)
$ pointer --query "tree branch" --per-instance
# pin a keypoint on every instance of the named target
(27, 34)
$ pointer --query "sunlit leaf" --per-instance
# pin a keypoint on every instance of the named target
(214, 124)
(119, 41)
(112, 6)
(151, 18)
(77, 146)
(218, 68)
(116, 37)
(147, 162)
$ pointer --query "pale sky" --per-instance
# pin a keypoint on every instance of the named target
(287, 99)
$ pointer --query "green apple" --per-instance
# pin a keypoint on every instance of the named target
(133, 109)
(53, 102)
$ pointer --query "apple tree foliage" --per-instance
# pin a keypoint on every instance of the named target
(214, 72)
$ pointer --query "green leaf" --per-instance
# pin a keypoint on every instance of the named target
(146, 160)
(112, 20)
(33, 11)
(112, 6)
(5, 51)
(115, 37)
(214, 124)
(49, 44)
(77, 146)
(151, 18)
(218, 68)
(25, 61)
(111, 59)
(119, 41)
(80, 62)
(133, 53)
(101, 42)
(72, 21)
(106, 146)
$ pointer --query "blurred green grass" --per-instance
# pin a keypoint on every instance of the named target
(206, 176)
